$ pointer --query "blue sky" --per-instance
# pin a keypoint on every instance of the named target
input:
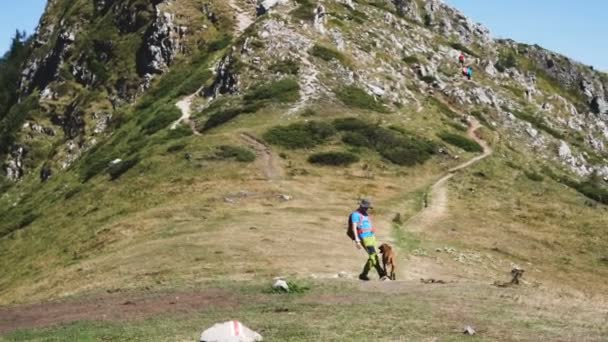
(18, 14)
(578, 29)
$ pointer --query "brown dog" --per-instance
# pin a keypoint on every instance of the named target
(388, 259)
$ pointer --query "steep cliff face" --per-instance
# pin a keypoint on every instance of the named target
(90, 59)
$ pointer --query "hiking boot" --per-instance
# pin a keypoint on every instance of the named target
(363, 277)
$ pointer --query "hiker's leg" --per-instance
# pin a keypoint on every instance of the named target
(373, 260)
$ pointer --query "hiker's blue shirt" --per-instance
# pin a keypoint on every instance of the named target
(363, 224)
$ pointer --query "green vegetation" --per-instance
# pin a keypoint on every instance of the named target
(411, 59)
(305, 10)
(401, 148)
(327, 54)
(461, 142)
(505, 61)
(118, 169)
(237, 153)
(287, 67)
(221, 116)
(429, 79)
(283, 91)
(300, 135)
(162, 118)
(534, 176)
(589, 188)
(358, 98)
(333, 158)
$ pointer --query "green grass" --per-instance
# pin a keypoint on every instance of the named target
(333, 158)
(237, 153)
(300, 135)
(282, 91)
(325, 311)
(358, 98)
(460, 141)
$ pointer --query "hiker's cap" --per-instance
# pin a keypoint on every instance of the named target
(365, 203)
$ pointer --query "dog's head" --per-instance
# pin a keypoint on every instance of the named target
(384, 248)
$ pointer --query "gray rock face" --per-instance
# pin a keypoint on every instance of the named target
(14, 167)
(39, 73)
(226, 81)
(162, 43)
(407, 8)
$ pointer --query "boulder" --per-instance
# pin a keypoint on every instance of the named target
(280, 284)
(232, 331)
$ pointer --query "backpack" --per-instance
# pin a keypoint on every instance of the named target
(349, 229)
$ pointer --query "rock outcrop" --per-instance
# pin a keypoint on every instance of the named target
(162, 43)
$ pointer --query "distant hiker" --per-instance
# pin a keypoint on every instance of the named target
(461, 59)
(363, 234)
(469, 73)
(465, 71)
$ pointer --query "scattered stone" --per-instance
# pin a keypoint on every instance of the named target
(285, 198)
(233, 331)
(469, 330)
(280, 284)
(116, 161)
(344, 274)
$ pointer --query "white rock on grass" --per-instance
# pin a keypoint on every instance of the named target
(280, 284)
(233, 331)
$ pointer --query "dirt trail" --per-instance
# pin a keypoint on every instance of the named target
(438, 195)
(266, 159)
(185, 106)
(117, 307)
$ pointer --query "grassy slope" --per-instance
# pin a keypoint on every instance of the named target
(412, 312)
(166, 227)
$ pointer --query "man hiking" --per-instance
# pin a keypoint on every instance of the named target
(364, 237)
(461, 59)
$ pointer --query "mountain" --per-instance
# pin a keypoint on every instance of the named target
(170, 143)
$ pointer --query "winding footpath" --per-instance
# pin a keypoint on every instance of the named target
(438, 206)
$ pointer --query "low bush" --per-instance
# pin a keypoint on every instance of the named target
(327, 54)
(305, 10)
(589, 189)
(194, 82)
(461, 142)
(283, 91)
(356, 97)
(239, 154)
(162, 118)
(412, 59)
(287, 67)
(300, 135)
(220, 117)
(533, 176)
(429, 79)
(333, 158)
(176, 148)
(398, 146)
(118, 169)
